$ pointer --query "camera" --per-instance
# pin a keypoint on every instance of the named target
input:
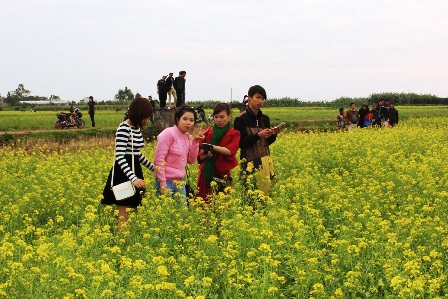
(279, 126)
(207, 147)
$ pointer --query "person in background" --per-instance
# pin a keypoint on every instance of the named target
(341, 120)
(376, 119)
(383, 112)
(126, 150)
(243, 105)
(352, 116)
(92, 110)
(170, 89)
(153, 105)
(256, 136)
(174, 150)
(393, 116)
(221, 159)
(161, 90)
(72, 113)
(179, 86)
(362, 115)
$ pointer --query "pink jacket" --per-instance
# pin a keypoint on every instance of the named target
(174, 150)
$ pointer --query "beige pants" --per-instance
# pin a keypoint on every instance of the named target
(173, 93)
(263, 174)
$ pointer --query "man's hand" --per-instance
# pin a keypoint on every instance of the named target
(266, 133)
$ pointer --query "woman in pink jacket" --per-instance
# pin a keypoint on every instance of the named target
(174, 150)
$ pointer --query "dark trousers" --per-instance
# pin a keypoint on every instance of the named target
(92, 118)
(162, 99)
(180, 98)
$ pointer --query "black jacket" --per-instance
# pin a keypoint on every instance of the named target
(393, 116)
(252, 146)
(179, 83)
(169, 83)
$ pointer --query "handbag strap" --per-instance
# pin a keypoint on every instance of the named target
(115, 158)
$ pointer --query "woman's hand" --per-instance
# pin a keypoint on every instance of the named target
(199, 135)
(139, 183)
(203, 156)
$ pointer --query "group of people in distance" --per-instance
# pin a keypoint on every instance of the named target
(382, 114)
(214, 149)
(169, 86)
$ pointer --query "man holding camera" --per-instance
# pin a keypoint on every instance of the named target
(256, 136)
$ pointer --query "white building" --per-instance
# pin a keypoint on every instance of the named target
(43, 102)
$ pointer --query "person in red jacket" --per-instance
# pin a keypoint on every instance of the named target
(217, 155)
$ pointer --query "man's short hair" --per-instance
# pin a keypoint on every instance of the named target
(257, 89)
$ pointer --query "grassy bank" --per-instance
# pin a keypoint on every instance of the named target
(40, 125)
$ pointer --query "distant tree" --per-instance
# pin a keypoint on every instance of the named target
(21, 91)
(53, 98)
(138, 95)
(14, 97)
(83, 101)
(124, 95)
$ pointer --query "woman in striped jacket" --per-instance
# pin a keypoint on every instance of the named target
(128, 143)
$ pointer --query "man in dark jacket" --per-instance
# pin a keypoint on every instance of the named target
(92, 110)
(393, 116)
(161, 90)
(179, 86)
(256, 136)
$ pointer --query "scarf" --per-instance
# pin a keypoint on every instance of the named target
(209, 165)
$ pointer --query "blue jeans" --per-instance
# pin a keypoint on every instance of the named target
(176, 188)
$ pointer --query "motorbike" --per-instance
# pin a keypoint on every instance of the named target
(71, 119)
(202, 117)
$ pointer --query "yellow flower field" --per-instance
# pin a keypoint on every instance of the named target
(352, 214)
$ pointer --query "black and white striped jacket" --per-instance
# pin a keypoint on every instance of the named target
(123, 146)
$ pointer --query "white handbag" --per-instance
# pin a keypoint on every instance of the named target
(124, 190)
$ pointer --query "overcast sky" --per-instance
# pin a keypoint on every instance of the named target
(310, 50)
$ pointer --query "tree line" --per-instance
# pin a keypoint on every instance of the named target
(20, 95)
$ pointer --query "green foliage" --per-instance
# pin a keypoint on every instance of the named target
(396, 98)
(14, 97)
(407, 98)
(6, 138)
(124, 95)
